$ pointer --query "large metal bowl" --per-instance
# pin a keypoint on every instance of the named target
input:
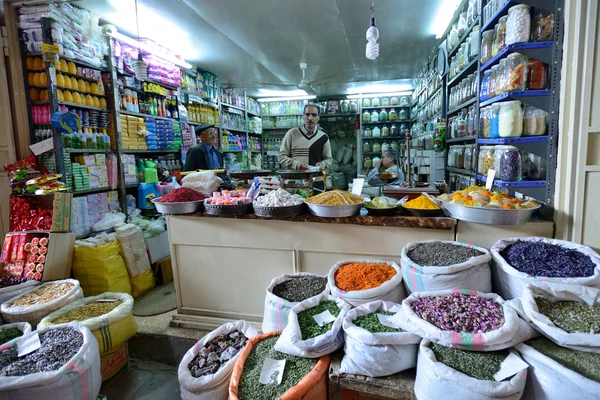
(185, 207)
(334, 211)
(287, 211)
(488, 216)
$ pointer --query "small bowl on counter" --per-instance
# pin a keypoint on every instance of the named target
(185, 207)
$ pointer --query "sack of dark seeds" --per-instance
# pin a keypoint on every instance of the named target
(439, 265)
(66, 366)
(205, 369)
(286, 291)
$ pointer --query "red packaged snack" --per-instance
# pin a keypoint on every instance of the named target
(43, 250)
(44, 241)
(29, 275)
(29, 214)
(39, 267)
(6, 247)
(41, 259)
(29, 267)
(35, 241)
(16, 269)
(15, 246)
(21, 254)
(37, 276)
(35, 250)
(28, 247)
(32, 258)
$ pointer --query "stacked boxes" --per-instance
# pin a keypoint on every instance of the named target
(151, 138)
(80, 220)
(98, 176)
(113, 200)
(87, 210)
(178, 136)
(165, 135)
(90, 172)
(81, 179)
(129, 169)
(130, 133)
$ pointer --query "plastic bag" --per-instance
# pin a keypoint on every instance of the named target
(436, 380)
(473, 274)
(275, 316)
(312, 387)
(133, 249)
(157, 226)
(509, 283)
(110, 329)
(392, 290)
(290, 341)
(34, 314)
(347, 155)
(205, 182)
(377, 354)
(339, 155)
(108, 221)
(142, 283)
(101, 269)
(216, 386)
(78, 379)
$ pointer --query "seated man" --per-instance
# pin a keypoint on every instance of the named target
(388, 163)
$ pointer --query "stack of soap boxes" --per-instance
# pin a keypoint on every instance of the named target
(130, 133)
(129, 169)
(152, 137)
(81, 179)
(87, 210)
(90, 172)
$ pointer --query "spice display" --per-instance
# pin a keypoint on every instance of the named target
(422, 203)
(571, 316)
(91, 310)
(508, 163)
(335, 198)
(6, 335)
(279, 198)
(479, 365)
(581, 362)
(296, 368)
(46, 293)
(8, 281)
(58, 347)
(517, 72)
(537, 75)
(370, 322)
(216, 353)
(543, 26)
(510, 119)
(381, 203)
(181, 195)
(440, 254)
(518, 25)
(228, 197)
(363, 276)
(479, 196)
(548, 260)
(460, 312)
(309, 327)
(300, 288)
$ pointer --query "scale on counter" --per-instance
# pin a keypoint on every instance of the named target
(243, 179)
(298, 181)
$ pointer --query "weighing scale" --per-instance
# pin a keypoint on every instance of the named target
(244, 179)
(299, 181)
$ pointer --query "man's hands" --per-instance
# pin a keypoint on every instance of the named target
(303, 166)
(320, 165)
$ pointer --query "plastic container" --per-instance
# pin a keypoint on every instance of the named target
(516, 72)
(385, 131)
(376, 147)
(393, 130)
(376, 132)
(534, 167)
(385, 102)
(534, 121)
(492, 85)
(508, 163)
(510, 120)
(487, 40)
(475, 42)
(543, 26)
(462, 24)
(537, 75)
(403, 115)
(485, 120)
(501, 77)
(518, 25)
(367, 133)
(366, 102)
(460, 157)
(375, 102)
(366, 147)
(452, 156)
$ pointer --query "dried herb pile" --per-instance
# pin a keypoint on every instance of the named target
(571, 316)
(300, 288)
(8, 334)
(478, 365)
(309, 327)
(439, 254)
(370, 322)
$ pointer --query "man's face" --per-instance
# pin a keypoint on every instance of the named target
(311, 117)
(386, 160)
(208, 136)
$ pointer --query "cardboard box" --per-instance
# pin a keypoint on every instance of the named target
(163, 270)
(114, 362)
(59, 257)
(158, 247)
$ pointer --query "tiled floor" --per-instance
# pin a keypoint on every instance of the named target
(144, 380)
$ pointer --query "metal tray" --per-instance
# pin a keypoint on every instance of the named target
(297, 173)
(250, 174)
(423, 213)
(288, 211)
(334, 211)
(221, 209)
(489, 216)
(179, 208)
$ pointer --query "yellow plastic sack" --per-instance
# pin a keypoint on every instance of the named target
(141, 283)
(101, 269)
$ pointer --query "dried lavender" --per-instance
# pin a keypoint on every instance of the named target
(478, 365)
(300, 288)
(571, 316)
(548, 260)
(8, 334)
(581, 362)
(460, 312)
(296, 368)
(309, 327)
(439, 254)
(58, 347)
(216, 353)
(371, 323)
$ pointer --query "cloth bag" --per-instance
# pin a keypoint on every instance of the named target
(216, 386)
(110, 329)
(78, 379)
(436, 380)
(377, 354)
(550, 380)
(472, 274)
(509, 283)
(34, 314)
(275, 316)
(290, 341)
(392, 290)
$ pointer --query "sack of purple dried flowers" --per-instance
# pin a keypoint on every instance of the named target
(519, 261)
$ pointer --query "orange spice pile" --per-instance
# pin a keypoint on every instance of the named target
(362, 276)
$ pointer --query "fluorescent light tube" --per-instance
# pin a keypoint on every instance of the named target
(266, 99)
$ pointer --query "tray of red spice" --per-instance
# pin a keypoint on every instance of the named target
(180, 201)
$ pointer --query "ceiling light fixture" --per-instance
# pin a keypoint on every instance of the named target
(372, 51)
(139, 65)
(444, 17)
(266, 99)
(360, 96)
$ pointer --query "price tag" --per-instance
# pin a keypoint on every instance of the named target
(388, 320)
(510, 366)
(357, 186)
(324, 318)
(490, 179)
(272, 372)
(50, 48)
(28, 344)
(42, 147)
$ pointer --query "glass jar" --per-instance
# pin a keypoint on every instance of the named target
(453, 178)
(375, 102)
(404, 100)
(366, 147)
(460, 157)
(510, 120)
(486, 159)
(518, 26)
(376, 148)
(385, 131)
(462, 125)
(404, 129)
(516, 77)
(537, 75)
(367, 133)
(385, 102)
(492, 84)
(508, 163)
(469, 87)
(394, 146)
(383, 115)
(376, 132)
(392, 116)
(484, 120)
(485, 83)
(487, 40)
(385, 146)
(403, 114)
(501, 34)
(367, 162)
(452, 156)
(461, 57)
(494, 120)
(501, 72)
(471, 12)
(534, 167)
(353, 107)
(475, 43)
(543, 26)
(366, 102)
(495, 42)
(374, 116)
(366, 117)
(394, 101)
(345, 107)
(462, 24)
(534, 121)
(394, 131)
(468, 161)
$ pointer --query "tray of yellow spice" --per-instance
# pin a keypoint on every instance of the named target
(422, 206)
(335, 204)
(477, 204)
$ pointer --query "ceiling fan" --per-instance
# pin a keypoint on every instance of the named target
(304, 84)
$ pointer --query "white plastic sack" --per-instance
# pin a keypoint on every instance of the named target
(377, 354)
(550, 380)
(205, 182)
(392, 290)
(499, 339)
(78, 379)
(473, 274)
(436, 380)
(290, 341)
(339, 155)
(509, 283)
(133, 249)
(9, 292)
(275, 316)
(34, 314)
(216, 386)
(556, 292)
(24, 327)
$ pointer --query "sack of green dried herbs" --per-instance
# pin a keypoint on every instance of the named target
(443, 372)
(305, 337)
(211, 386)
(558, 373)
(376, 342)
(522, 260)
(440, 265)
(14, 330)
(286, 291)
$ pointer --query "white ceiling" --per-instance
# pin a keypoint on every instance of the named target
(260, 43)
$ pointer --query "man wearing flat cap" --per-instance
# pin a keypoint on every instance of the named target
(204, 155)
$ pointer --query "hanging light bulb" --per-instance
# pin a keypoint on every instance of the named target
(139, 65)
(372, 50)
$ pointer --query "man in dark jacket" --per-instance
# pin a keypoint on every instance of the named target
(204, 155)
